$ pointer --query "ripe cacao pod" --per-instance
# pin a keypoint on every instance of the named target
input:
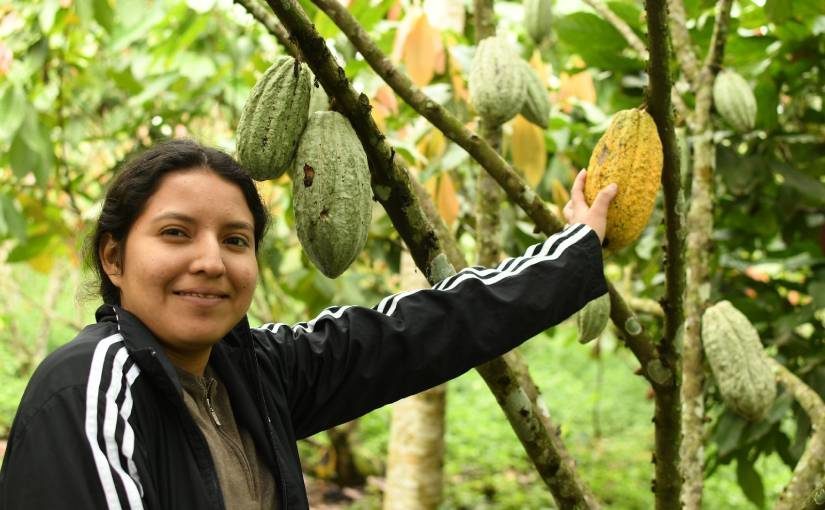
(536, 107)
(593, 318)
(538, 18)
(331, 192)
(734, 100)
(738, 361)
(630, 154)
(273, 118)
(497, 85)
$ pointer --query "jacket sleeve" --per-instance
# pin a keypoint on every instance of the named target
(350, 360)
(50, 463)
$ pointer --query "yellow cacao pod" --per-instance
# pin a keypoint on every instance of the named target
(630, 154)
(738, 361)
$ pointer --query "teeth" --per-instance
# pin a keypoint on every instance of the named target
(208, 296)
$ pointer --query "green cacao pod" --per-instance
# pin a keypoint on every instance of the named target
(738, 361)
(536, 107)
(273, 118)
(318, 99)
(593, 318)
(331, 192)
(734, 100)
(630, 154)
(538, 19)
(497, 85)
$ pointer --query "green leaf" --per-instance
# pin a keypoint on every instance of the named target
(596, 40)
(728, 432)
(13, 104)
(806, 185)
(30, 248)
(368, 13)
(104, 14)
(750, 481)
(48, 12)
(12, 222)
(767, 100)
(817, 291)
(85, 11)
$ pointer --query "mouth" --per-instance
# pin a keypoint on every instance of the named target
(201, 294)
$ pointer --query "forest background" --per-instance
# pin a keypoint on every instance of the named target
(85, 83)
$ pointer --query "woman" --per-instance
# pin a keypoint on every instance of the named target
(172, 401)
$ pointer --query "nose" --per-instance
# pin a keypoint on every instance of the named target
(208, 258)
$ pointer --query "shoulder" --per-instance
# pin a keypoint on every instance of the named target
(65, 373)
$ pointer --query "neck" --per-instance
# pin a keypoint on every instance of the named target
(193, 362)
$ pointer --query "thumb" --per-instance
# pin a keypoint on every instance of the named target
(603, 199)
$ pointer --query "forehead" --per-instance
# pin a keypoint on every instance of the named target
(198, 192)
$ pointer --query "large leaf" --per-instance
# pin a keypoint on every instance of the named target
(29, 248)
(14, 105)
(596, 40)
(750, 481)
(527, 148)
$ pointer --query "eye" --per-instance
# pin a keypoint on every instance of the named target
(173, 232)
(238, 241)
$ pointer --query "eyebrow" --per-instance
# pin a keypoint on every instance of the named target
(243, 225)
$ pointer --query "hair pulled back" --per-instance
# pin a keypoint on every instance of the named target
(138, 180)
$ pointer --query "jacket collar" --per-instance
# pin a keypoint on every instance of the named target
(145, 348)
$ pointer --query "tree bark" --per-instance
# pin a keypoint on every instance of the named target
(415, 460)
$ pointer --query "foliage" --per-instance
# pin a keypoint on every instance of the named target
(84, 83)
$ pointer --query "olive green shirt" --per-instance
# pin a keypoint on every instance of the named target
(246, 482)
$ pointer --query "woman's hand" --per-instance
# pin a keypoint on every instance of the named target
(595, 216)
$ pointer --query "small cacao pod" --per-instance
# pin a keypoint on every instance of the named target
(331, 192)
(734, 100)
(538, 18)
(273, 118)
(630, 154)
(497, 85)
(593, 318)
(738, 361)
(536, 107)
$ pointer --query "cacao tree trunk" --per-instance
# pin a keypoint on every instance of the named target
(415, 459)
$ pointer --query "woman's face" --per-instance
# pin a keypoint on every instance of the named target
(189, 263)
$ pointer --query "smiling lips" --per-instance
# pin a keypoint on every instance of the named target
(202, 294)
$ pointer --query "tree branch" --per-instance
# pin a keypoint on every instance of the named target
(517, 189)
(270, 22)
(682, 41)
(809, 469)
(667, 485)
(630, 36)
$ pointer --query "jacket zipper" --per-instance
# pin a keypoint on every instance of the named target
(271, 434)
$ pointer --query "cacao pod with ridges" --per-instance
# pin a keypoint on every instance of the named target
(734, 100)
(331, 192)
(273, 118)
(593, 318)
(630, 154)
(538, 19)
(497, 85)
(536, 107)
(738, 361)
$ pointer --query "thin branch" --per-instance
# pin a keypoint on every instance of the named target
(620, 25)
(270, 22)
(667, 484)
(517, 189)
(682, 41)
(809, 468)
(713, 60)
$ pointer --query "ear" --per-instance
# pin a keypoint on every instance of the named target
(111, 258)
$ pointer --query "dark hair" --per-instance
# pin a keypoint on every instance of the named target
(138, 180)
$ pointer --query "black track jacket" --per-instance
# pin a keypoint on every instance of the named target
(102, 423)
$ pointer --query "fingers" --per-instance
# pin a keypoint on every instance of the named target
(603, 199)
(577, 192)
